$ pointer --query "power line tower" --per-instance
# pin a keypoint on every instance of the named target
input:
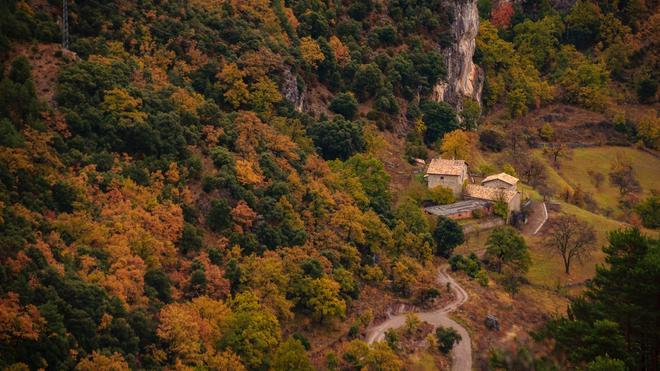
(65, 24)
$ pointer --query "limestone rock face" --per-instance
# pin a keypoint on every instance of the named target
(291, 92)
(464, 78)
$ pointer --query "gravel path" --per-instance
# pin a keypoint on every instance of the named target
(461, 354)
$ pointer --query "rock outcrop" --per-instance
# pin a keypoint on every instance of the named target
(291, 91)
(464, 78)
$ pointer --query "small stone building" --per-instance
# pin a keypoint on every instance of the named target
(501, 180)
(447, 173)
(510, 196)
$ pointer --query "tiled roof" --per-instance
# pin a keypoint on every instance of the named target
(489, 193)
(506, 178)
(446, 167)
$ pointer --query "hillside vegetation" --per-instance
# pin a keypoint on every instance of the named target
(220, 184)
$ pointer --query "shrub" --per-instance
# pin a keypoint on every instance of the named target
(439, 196)
(482, 278)
(428, 294)
(344, 104)
(353, 331)
(470, 265)
(392, 338)
(447, 338)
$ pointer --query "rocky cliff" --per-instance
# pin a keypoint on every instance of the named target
(464, 78)
(291, 91)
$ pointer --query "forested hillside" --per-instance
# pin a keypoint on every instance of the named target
(201, 184)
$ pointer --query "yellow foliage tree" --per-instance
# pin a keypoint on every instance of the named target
(247, 173)
(120, 104)
(187, 101)
(232, 84)
(311, 51)
(455, 144)
(265, 94)
(97, 361)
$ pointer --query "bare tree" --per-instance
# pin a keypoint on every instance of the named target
(570, 238)
(530, 168)
(623, 177)
(556, 152)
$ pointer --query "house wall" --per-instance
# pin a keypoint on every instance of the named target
(469, 214)
(497, 183)
(453, 182)
(514, 204)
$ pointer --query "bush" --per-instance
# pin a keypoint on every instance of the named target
(353, 331)
(392, 338)
(470, 265)
(492, 140)
(344, 104)
(439, 196)
(428, 294)
(447, 338)
(482, 278)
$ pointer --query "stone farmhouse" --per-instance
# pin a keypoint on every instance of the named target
(477, 198)
(447, 173)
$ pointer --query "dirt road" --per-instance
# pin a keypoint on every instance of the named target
(461, 355)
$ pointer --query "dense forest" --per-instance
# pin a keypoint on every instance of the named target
(200, 184)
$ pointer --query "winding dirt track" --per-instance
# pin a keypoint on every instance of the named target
(461, 354)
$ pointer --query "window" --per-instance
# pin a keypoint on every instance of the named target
(442, 177)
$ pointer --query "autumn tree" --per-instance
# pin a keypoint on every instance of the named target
(124, 108)
(310, 52)
(264, 94)
(235, 90)
(455, 144)
(501, 15)
(570, 238)
(99, 361)
(341, 52)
